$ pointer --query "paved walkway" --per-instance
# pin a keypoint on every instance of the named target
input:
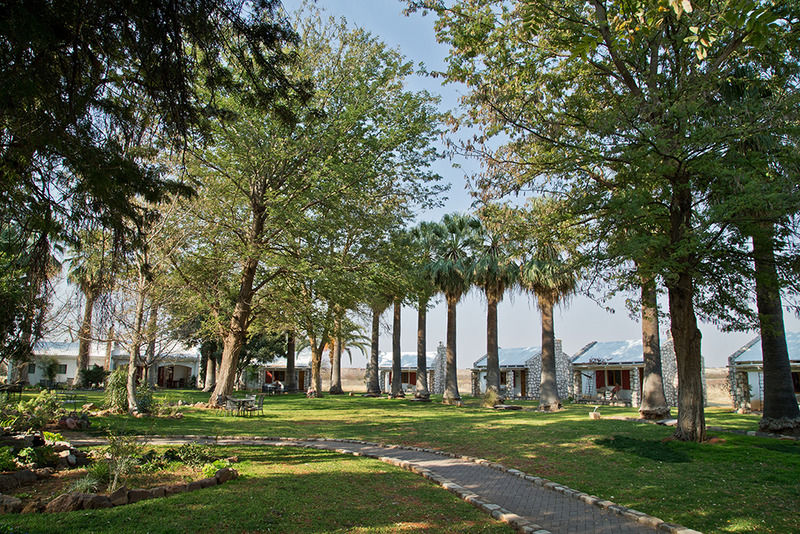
(530, 504)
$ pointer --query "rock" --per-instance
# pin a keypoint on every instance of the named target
(119, 497)
(88, 406)
(25, 476)
(200, 405)
(44, 472)
(136, 495)
(233, 459)
(595, 415)
(226, 474)
(507, 407)
(72, 460)
(8, 482)
(70, 423)
(177, 488)
(93, 502)
(158, 492)
(66, 502)
(34, 506)
(10, 505)
(202, 483)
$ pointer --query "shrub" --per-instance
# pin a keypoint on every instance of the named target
(87, 484)
(52, 437)
(95, 375)
(191, 454)
(38, 456)
(491, 398)
(33, 414)
(116, 395)
(210, 469)
(100, 471)
(122, 453)
(7, 462)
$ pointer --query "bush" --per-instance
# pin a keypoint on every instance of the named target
(116, 395)
(210, 469)
(7, 462)
(191, 454)
(122, 453)
(95, 375)
(33, 414)
(491, 399)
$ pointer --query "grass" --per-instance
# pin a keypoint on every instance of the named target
(738, 484)
(287, 490)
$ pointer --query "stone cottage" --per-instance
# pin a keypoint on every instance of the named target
(408, 370)
(746, 373)
(614, 370)
(521, 372)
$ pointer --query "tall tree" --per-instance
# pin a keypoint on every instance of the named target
(452, 273)
(495, 272)
(654, 402)
(589, 96)
(551, 279)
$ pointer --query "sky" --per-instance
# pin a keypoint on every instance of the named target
(579, 322)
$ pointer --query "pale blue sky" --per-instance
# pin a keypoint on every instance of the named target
(583, 320)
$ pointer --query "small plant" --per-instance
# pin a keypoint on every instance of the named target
(27, 456)
(116, 395)
(191, 454)
(7, 462)
(87, 484)
(93, 376)
(52, 437)
(101, 471)
(122, 453)
(210, 469)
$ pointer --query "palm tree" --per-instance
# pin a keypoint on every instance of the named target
(423, 238)
(495, 272)
(551, 280)
(451, 272)
(377, 306)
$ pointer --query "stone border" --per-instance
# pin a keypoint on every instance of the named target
(496, 511)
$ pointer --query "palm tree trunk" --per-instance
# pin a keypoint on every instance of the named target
(654, 402)
(291, 380)
(492, 353)
(451, 395)
(373, 386)
(422, 391)
(85, 332)
(397, 383)
(686, 337)
(548, 392)
(781, 413)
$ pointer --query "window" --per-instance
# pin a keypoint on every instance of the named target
(62, 369)
(408, 377)
(614, 378)
(279, 375)
(796, 381)
(503, 378)
(31, 368)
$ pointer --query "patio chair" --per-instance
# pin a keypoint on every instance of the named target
(231, 407)
(257, 407)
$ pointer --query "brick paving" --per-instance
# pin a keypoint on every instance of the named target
(529, 504)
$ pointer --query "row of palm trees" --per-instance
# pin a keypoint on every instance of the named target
(456, 254)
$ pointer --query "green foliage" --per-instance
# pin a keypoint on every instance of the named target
(490, 399)
(211, 468)
(192, 454)
(116, 392)
(32, 414)
(93, 376)
(7, 462)
(52, 437)
(42, 456)
(122, 455)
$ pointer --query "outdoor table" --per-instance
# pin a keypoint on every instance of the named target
(241, 403)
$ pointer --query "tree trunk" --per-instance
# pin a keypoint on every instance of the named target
(686, 338)
(85, 331)
(150, 353)
(492, 355)
(291, 380)
(422, 391)
(109, 347)
(548, 392)
(211, 373)
(235, 338)
(316, 366)
(654, 402)
(336, 359)
(397, 376)
(204, 357)
(373, 385)
(781, 413)
(136, 341)
(451, 395)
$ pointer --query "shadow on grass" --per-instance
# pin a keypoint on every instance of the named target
(651, 450)
(783, 447)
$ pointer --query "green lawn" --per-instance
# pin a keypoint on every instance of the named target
(741, 484)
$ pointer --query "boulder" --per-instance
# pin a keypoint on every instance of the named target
(93, 502)
(119, 497)
(25, 476)
(44, 472)
(136, 495)
(8, 482)
(10, 505)
(226, 474)
(34, 506)
(66, 502)
(88, 406)
(202, 483)
(158, 492)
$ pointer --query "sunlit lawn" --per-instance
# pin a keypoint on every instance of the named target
(741, 484)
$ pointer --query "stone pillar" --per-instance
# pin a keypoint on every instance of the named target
(476, 383)
(636, 397)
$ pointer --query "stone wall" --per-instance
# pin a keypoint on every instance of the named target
(563, 373)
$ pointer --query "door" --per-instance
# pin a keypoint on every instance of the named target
(523, 376)
(301, 380)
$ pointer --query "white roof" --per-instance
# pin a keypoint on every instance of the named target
(301, 360)
(751, 352)
(516, 357)
(408, 360)
(610, 352)
(70, 348)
